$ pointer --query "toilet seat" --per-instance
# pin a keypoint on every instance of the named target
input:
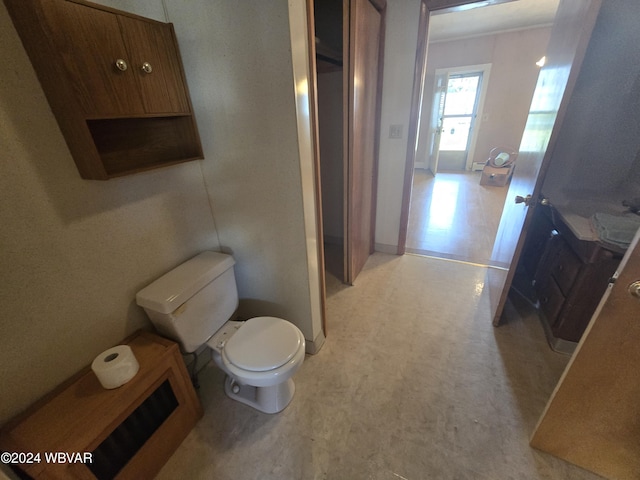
(262, 344)
(292, 352)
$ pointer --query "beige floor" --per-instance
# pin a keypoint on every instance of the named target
(412, 383)
(453, 216)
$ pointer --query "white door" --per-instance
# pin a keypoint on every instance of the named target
(437, 112)
(458, 98)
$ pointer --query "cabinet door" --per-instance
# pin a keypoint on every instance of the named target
(89, 43)
(162, 88)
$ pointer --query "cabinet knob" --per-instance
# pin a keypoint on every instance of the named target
(634, 289)
(121, 64)
(146, 67)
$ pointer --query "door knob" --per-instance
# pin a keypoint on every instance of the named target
(526, 200)
(634, 289)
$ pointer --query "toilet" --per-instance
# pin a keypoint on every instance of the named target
(193, 304)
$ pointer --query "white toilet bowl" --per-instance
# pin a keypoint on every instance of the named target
(259, 357)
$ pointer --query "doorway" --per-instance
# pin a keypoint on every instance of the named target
(476, 94)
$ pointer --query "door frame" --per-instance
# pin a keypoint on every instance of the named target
(426, 7)
(485, 71)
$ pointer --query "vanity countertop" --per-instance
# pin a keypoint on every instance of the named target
(576, 215)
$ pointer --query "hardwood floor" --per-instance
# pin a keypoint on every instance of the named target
(453, 216)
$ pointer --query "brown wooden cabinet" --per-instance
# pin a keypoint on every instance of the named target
(569, 275)
(127, 432)
(115, 83)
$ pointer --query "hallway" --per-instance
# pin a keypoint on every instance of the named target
(452, 216)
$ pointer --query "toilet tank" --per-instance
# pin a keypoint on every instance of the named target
(191, 302)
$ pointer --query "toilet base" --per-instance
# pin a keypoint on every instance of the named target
(272, 399)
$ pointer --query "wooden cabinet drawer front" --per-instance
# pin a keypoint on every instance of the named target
(551, 300)
(566, 269)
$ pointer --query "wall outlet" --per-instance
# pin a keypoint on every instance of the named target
(395, 131)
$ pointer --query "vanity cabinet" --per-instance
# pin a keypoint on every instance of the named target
(115, 83)
(569, 274)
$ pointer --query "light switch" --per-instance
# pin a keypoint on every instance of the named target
(395, 131)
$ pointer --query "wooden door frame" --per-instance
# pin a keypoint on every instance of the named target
(426, 8)
(315, 144)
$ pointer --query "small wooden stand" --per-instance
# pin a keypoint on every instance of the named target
(130, 431)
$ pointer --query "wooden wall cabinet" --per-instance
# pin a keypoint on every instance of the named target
(570, 275)
(115, 83)
(130, 431)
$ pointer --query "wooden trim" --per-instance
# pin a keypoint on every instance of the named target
(123, 13)
(448, 6)
(346, 135)
(412, 131)
(381, 6)
(315, 140)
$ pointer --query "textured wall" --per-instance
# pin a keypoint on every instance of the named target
(600, 137)
(75, 252)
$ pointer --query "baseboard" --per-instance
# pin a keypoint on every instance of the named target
(383, 248)
(313, 346)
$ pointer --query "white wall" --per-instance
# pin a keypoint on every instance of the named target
(239, 67)
(399, 61)
(75, 252)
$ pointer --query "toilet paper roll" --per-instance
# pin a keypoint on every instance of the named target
(115, 367)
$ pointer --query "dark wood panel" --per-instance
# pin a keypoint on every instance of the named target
(162, 90)
(137, 144)
(90, 63)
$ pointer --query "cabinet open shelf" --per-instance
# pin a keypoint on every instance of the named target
(131, 145)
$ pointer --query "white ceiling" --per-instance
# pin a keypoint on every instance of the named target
(513, 15)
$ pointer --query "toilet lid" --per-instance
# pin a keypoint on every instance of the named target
(263, 343)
